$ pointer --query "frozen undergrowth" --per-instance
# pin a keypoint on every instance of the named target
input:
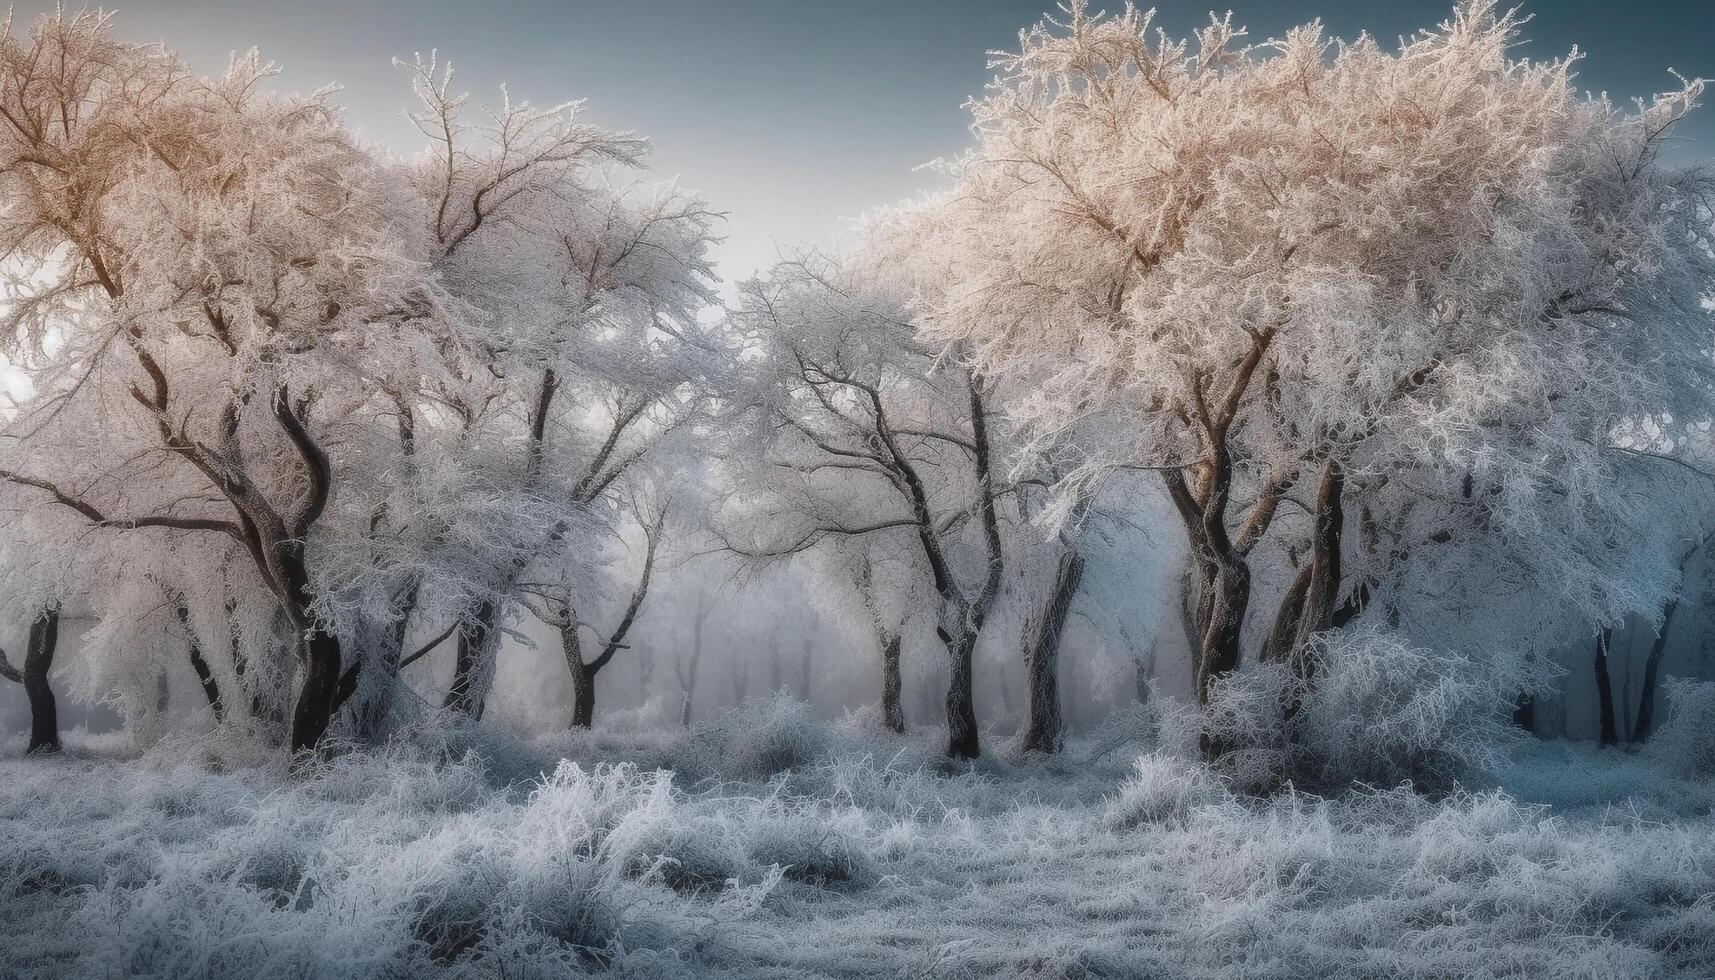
(781, 847)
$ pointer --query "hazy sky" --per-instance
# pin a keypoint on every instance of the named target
(797, 115)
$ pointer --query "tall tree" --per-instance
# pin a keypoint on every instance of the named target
(1323, 274)
(862, 433)
(196, 264)
(591, 354)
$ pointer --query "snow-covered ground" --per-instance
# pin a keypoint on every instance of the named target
(768, 844)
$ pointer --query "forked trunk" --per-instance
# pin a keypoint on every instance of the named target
(583, 674)
(1228, 597)
(1309, 606)
(892, 711)
(1042, 660)
(38, 660)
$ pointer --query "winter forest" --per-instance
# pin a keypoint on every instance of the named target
(1255, 517)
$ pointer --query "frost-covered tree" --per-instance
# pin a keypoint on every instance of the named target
(1330, 276)
(858, 431)
(588, 359)
(198, 272)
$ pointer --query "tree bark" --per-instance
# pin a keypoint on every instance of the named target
(1042, 661)
(210, 687)
(892, 711)
(583, 674)
(962, 741)
(467, 694)
(1309, 606)
(1652, 672)
(583, 697)
(1610, 733)
(38, 660)
(318, 665)
(205, 675)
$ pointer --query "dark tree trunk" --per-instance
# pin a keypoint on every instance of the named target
(318, 690)
(210, 687)
(1610, 734)
(38, 660)
(205, 675)
(1042, 660)
(892, 711)
(583, 697)
(1652, 676)
(1524, 711)
(962, 742)
(583, 674)
(467, 693)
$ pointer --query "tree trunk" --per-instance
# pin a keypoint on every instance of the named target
(210, 687)
(1190, 617)
(583, 697)
(1228, 597)
(961, 702)
(1143, 669)
(38, 660)
(1309, 606)
(1652, 673)
(1524, 711)
(468, 692)
(205, 674)
(381, 653)
(583, 674)
(318, 665)
(1042, 661)
(892, 711)
(1604, 690)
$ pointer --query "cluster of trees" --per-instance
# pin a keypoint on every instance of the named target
(1421, 337)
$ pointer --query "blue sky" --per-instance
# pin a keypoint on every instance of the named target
(797, 116)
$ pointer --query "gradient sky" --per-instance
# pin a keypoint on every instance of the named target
(797, 115)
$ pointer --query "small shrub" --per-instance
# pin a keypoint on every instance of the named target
(1686, 742)
(809, 850)
(1382, 712)
(1162, 789)
(759, 740)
